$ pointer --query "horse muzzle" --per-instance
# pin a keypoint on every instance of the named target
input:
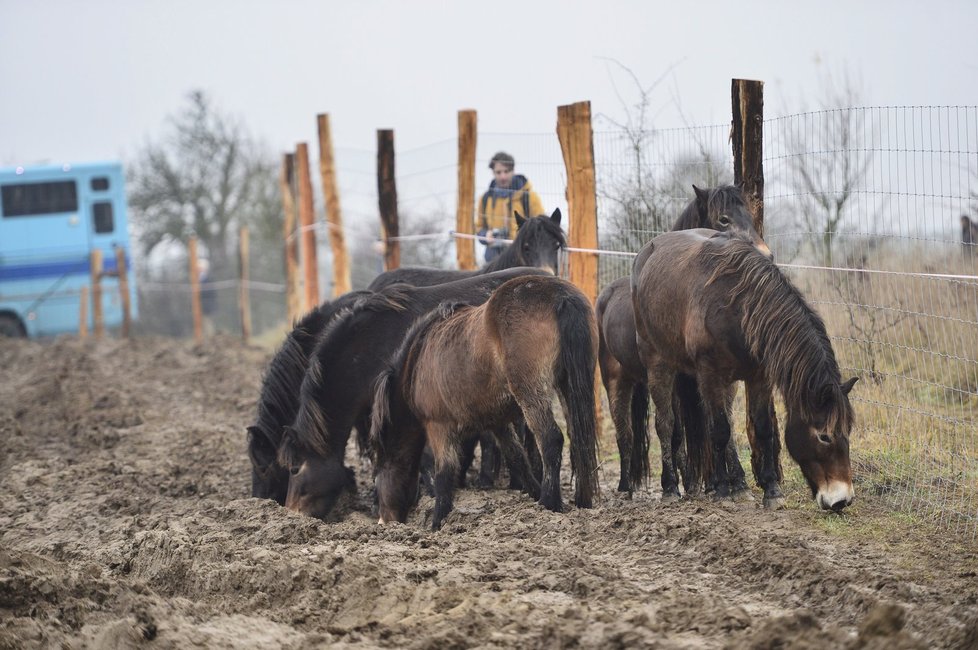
(835, 496)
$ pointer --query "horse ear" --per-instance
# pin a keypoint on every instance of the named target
(847, 386)
(700, 193)
(520, 221)
(555, 217)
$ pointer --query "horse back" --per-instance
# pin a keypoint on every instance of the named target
(418, 277)
(616, 326)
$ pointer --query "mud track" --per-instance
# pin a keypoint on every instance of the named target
(125, 522)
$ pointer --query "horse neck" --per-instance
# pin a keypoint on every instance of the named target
(689, 219)
(509, 258)
(787, 337)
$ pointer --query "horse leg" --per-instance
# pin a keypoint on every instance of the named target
(445, 446)
(528, 440)
(517, 461)
(489, 461)
(719, 399)
(620, 402)
(550, 441)
(661, 383)
(396, 480)
(736, 477)
(427, 472)
(466, 458)
(765, 436)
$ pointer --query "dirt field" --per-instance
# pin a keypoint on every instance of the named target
(125, 521)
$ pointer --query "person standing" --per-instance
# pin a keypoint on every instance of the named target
(509, 195)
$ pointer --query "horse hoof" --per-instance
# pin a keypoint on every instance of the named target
(774, 503)
(670, 497)
(742, 496)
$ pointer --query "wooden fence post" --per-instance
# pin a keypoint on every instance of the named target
(334, 217)
(747, 139)
(465, 211)
(387, 198)
(83, 314)
(98, 323)
(244, 292)
(309, 265)
(577, 145)
(123, 274)
(291, 238)
(195, 306)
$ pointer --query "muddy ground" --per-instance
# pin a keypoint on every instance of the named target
(125, 522)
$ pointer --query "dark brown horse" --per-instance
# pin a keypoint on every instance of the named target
(278, 402)
(720, 208)
(537, 243)
(711, 306)
(336, 393)
(463, 370)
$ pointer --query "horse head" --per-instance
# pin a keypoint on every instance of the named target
(817, 437)
(724, 209)
(538, 242)
(316, 481)
(268, 479)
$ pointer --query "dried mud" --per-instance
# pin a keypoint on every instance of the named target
(125, 522)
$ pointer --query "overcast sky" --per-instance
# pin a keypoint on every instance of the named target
(93, 80)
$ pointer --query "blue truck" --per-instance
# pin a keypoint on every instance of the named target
(51, 219)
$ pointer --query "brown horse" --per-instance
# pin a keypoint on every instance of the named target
(720, 208)
(711, 306)
(466, 369)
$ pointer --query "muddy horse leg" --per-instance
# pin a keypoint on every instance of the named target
(488, 462)
(661, 383)
(620, 402)
(445, 447)
(520, 471)
(550, 441)
(766, 438)
(735, 473)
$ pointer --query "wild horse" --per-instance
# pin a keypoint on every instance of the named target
(279, 399)
(711, 306)
(624, 378)
(336, 393)
(465, 369)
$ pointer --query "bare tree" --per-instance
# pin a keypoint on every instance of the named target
(828, 163)
(207, 176)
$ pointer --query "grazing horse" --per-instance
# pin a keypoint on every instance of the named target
(537, 243)
(279, 399)
(336, 393)
(711, 306)
(624, 378)
(462, 370)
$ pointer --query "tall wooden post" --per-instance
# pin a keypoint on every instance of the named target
(334, 218)
(83, 314)
(98, 323)
(195, 306)
(387, 198)
(244, 293)
(291, 238)
(123, 273)
(309, 265)
(747, 139)
(465, 211)
(577, 145)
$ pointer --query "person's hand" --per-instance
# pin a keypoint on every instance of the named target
(489, 237)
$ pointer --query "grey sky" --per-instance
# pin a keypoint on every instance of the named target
(92, 80)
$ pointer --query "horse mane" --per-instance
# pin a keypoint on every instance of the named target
(720, 199)
(311, 420)
(394, 297)
(402, 364)
(510, 256)
(782, 330)
(278, 401)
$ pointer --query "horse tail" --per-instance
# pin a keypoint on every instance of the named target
(380, 413)
(692, 419)
(639, 470)
(576, 327)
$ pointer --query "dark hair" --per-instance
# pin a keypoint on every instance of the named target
(504, 158)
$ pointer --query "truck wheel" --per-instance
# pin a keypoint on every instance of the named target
(11, 326)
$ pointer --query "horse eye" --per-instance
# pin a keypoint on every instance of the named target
(824, 439)
(724, 220)
(294, 470)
